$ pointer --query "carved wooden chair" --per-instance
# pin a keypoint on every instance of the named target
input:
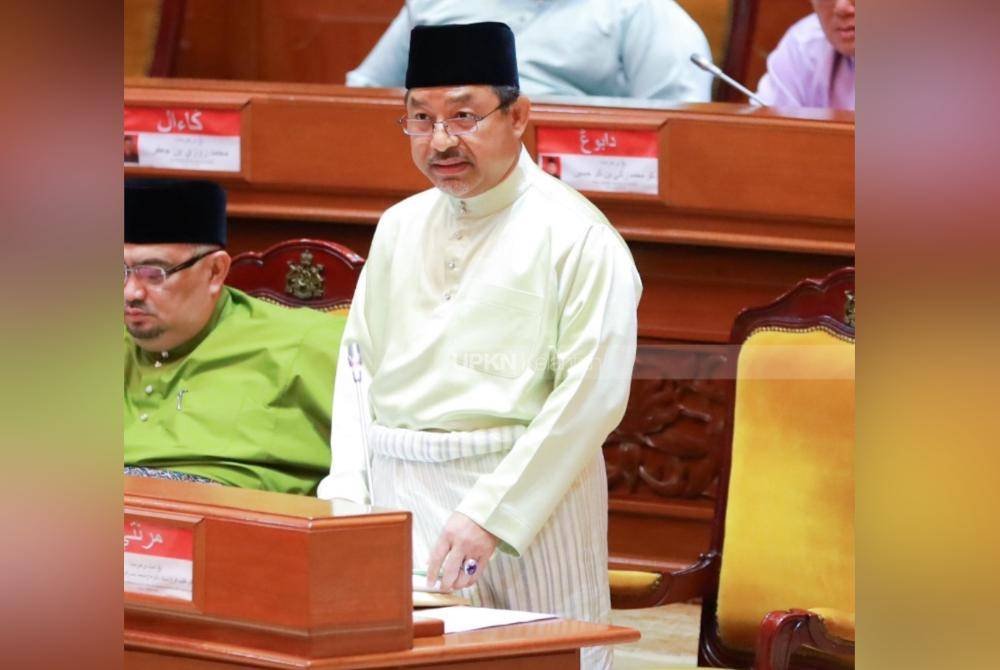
(781, 593)
(299, 273)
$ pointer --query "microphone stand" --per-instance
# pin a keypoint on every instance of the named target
(714, 70)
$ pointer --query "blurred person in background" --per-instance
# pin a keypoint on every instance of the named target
(813, 64)
(615, 48)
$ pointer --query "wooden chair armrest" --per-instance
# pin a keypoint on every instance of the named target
(839, 624)
(632, 590)
(783, 633)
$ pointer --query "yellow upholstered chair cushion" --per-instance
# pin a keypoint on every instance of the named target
(633, 583)
(789, 535)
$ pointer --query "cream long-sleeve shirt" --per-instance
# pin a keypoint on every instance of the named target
(517, 306)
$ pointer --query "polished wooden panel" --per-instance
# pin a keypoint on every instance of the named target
(746, 170)
(315, 41)
(730, 175)
(543, 645)
(693, 293)
(564, 660)
(426, 627)
(318, 40)
(276, 573)
(219, 40)
(749, 203)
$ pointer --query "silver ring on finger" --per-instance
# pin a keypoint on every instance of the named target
(470, 566)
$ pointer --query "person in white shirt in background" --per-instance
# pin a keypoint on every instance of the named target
(614, 48)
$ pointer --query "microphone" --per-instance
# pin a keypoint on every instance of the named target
(712, 69)
(354, 361)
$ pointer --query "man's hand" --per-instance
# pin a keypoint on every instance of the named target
(461, 539)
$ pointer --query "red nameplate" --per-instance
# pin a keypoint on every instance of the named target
(183, 138)
(596, 159)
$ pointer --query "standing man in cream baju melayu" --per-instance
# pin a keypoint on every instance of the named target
(496, 315)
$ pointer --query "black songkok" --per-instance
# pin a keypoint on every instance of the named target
(462, 55)
(168, 211)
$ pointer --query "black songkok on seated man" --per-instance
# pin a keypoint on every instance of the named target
(169, 211)
(459, 55)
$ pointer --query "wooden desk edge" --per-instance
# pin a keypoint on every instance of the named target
(505, 641)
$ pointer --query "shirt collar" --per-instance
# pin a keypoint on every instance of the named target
(497, 198)
(189, 346)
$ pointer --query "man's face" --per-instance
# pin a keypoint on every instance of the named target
(837, 19)
(466, 165)
(164, 316)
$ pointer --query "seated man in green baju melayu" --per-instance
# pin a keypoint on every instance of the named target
(219, 386)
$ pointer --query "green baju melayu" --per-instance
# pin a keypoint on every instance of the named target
(246, 402)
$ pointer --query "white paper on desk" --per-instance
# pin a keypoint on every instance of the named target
(420, 584)
(460, 618)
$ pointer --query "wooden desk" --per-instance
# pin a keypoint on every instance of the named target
(264, 572)
(283, 581)
(730, 175)
(749, 203)
(544, 645)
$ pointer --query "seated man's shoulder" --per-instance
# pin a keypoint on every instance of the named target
(285, 323)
